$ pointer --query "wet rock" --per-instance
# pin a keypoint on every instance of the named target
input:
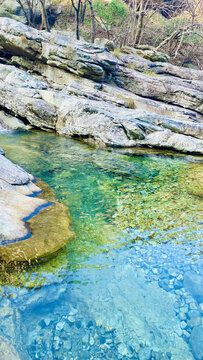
(15, 184)
(193, 283)
(144, 354)
(196, 342)
(167, 139)
(7, 351)
(91, 342)
(60, 325)
(183, 324)
(122, 349)
(85, 339)
(67, 344)
(194, 321)
(201, 307)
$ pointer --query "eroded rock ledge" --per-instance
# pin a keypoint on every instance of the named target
(82, 90)
(22, 236)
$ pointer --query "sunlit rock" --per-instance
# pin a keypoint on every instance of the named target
(23, 224)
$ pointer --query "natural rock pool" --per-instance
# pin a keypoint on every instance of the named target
(130, 285)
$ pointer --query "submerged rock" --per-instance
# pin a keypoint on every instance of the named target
(7, 350)
(193, 283)
(196, 342)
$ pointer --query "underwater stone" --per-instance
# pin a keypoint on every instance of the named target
(193, 283)
(67, 344)
(60, 325)
(195, 321)
(122, 349)
(196, 342)
(7, 351)
(144, 354)
(85, 339)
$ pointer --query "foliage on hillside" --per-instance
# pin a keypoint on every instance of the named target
(173, 26)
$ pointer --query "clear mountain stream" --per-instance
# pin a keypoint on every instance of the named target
(130, 286)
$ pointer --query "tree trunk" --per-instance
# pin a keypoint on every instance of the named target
(77, 25)
(45, 20)
(77, 10)
(25, 12)
(139, 23)
(93, 21)
(83, 11)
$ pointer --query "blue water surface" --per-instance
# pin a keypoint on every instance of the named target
(130, 285)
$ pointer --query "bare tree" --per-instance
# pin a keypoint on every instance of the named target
(76, 5)
(45, 21)
(92, 21)
(30, 9)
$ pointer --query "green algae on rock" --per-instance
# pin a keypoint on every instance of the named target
(164, 204)
(50, 231)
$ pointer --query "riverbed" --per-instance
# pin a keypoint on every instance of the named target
(130, 285)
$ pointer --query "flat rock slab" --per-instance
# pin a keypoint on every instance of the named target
(25, 220)
(7, 350)
(11, 173)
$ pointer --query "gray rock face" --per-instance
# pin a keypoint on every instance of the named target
(9, 122)
(94, 121)
(196, 342)
(133, 61)
(185, 93)
(147, 52)
(12, 173)
(65, 98)
(78, 57)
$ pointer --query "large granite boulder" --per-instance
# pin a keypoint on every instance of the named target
(96, 63)
(92, 120)
(79, 57)
(186, 93)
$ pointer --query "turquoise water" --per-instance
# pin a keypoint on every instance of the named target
(130, 285)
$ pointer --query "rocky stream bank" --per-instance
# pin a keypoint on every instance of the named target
(86, 92)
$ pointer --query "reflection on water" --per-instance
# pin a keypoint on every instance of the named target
(130, 285)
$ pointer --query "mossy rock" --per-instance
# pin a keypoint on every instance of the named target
(51, 230)
(153, 55)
